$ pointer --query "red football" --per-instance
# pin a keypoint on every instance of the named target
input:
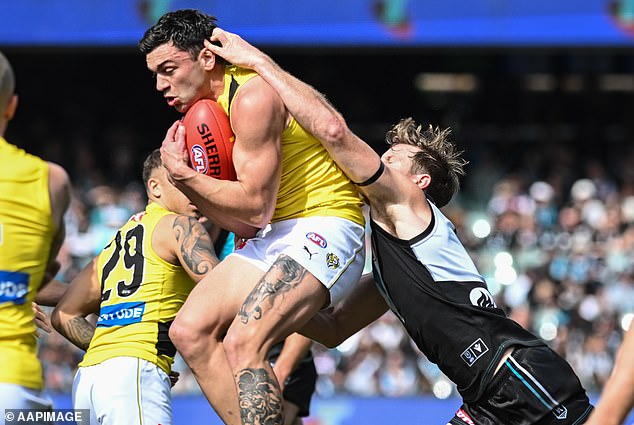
(210, 140)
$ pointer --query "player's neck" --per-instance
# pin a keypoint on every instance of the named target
(217, 81)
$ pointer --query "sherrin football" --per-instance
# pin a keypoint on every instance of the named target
(210, 139)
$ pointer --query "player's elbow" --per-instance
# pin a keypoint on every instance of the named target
(60, 319)
(57, 319)
(261, 213)
(260, 219)
(335, 129)
(255, 219)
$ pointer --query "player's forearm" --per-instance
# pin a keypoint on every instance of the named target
(617, 398)
(612, 409)
(615, 403)
(51, 293)
(314, 113)
(322, 329)
(307, 105)
(227, 204)
(296, 346)
(360, 308)
(76, 329)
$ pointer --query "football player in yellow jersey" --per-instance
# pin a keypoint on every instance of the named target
(309, 251)
(136, 285)
(34, 196)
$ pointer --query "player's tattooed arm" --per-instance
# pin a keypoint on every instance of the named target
(285, 274)
(78, 330)
(195, 248)
(81, 299)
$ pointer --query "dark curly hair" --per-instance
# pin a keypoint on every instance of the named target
(437, 157)
(186, 29)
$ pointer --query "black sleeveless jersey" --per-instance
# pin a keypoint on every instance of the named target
(433, 287)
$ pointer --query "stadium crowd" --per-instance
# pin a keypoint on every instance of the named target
(553, 235)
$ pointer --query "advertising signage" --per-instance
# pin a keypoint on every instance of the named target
(323, 23)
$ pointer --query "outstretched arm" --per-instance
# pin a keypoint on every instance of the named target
(397, 201)
(617, 398)
(333, 326)
(357, 159)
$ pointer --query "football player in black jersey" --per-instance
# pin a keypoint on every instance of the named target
(505, 374)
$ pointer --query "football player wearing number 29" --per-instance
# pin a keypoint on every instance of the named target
(136, 285)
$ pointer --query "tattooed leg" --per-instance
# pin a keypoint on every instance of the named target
(283, 276)
(285, 296)
(259, 397)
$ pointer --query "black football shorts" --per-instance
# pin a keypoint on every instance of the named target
(534, 386)
(300, 385)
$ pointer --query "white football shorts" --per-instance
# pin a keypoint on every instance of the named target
(124, 391)
(331, 248)
(13, 396)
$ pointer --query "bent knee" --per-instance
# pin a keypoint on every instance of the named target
(181, 335)
(207, 324)
(244, 347)
(187, 335)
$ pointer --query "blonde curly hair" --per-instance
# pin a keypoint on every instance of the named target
(437, 157)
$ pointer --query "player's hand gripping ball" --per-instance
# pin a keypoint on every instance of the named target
(210, 140)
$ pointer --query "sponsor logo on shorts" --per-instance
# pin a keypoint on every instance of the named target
(560, 412)
(474, 352)
(14, 286)
(463, 416)
(121, 314)
(332, 260)
(310, 254)
(199, 159)
(481, 297)
(317, 239)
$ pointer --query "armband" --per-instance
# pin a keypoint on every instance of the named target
(374, 176)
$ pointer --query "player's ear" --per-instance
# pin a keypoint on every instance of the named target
(422, 180)
(208, 59)
(154, 187)
(12, 105)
